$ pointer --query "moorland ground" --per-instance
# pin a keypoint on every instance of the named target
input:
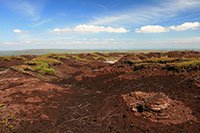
(88, 92)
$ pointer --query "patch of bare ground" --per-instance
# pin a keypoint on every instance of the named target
(83, 93)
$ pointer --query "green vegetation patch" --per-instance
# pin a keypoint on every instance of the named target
(25, 69)
(113, 58)
(137, 61)
(96, 56)
(38, 66)
(8, 58)
(105, 56)
(192, 63)
(161, 60)
(2, 105)
(81, 59)
(7, 121)
(34, 70)
(60, 57)
(44, 61)
(56, 56)
(187, 64)
(45, 70)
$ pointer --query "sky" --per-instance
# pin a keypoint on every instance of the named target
(99, 24)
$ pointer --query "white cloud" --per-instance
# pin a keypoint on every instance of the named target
(10, 43)
(84, 39)
(17, 31)
(143, 15)
(109, 39)
(107, 19)
(94, 39)
(159, 29)
(185, 26)
(58, 31)
(152, 29)
(91, 28)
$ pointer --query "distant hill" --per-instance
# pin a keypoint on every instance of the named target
(45, 51)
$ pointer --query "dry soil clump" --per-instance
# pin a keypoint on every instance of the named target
(158, 107)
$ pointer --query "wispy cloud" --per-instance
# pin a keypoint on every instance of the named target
(27, 8)
(147, 14)
(91, 28)
(42, 22)
(99, 5)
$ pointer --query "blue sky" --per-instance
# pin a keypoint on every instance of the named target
(95, 24)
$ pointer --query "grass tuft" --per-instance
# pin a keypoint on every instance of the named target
(56, 56)
(96, 56)
(8, 58)
(187, 64)
(161, 60)
(104, 56)
(38, 66)
(44, 61)
(192, 63)
(81, 59)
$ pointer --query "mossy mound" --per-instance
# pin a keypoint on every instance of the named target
(105, 57)
(44, 61)
(8, 58)
(163, 60)
(56, 56)
(80, 59)
(38, 66)
(193, 63)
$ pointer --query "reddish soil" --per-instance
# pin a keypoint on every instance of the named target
(94, 97)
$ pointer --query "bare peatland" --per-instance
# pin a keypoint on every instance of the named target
(100, 93)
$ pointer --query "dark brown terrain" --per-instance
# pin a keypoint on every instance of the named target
(100, 93)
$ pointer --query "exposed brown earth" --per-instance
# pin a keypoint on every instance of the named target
(93, 93)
